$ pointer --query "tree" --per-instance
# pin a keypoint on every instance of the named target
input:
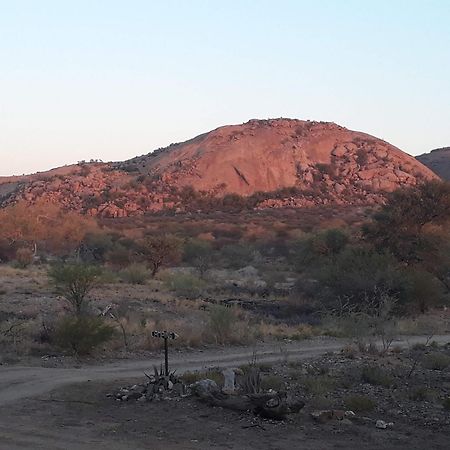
(319, 248)
(199, 253)
(404, 225)
(44, 226)
(413, 226)
(74, 282)
(159, 251)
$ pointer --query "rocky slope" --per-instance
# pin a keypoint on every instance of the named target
(438, 161)
(271, 163)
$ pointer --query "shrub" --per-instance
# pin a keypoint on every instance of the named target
(185, 285)
(74, 282)
(436, 361)
(376, 376)
(221, 320)
(24, 257)
(359, 403)
(135, 274)
(80, 335)
(317, 385)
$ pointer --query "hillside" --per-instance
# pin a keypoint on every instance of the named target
(267, 163)
(438, 161)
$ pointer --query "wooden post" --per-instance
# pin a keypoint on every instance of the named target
(166, 356)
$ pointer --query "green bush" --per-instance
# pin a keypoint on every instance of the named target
(185, 285)
(135, 274)
(359, 403)
(80, 335)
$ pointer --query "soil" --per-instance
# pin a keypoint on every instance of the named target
(82, 417)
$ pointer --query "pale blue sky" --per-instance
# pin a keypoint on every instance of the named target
(114, 79)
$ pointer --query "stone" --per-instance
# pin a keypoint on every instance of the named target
(229, 381)
(382, 425)
(204, 387)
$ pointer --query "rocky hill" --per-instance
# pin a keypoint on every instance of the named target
(259, 164)
(438, 161)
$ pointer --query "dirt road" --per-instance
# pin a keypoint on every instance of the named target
(18, 382)
(67, 409)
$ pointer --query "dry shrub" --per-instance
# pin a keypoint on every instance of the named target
(24, 257)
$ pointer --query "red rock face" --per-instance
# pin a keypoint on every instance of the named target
(266, 155)
(324, 162)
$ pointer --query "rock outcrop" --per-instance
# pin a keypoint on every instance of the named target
(270, 163)
(438, 161)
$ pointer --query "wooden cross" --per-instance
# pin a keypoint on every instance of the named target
(166, 335)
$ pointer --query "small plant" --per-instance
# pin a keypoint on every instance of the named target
(185, 285)
(80, 335)
(359, 403)
(436, 361)
(135, 274)
(376, 376)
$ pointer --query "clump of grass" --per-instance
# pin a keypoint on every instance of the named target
(376, 376)
(359, 403)
(318, 385)
(436, 361)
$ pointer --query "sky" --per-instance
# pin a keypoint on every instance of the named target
(108, 79)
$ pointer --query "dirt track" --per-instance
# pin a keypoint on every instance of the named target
(35, 413)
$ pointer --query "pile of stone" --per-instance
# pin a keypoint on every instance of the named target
(157, 387)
